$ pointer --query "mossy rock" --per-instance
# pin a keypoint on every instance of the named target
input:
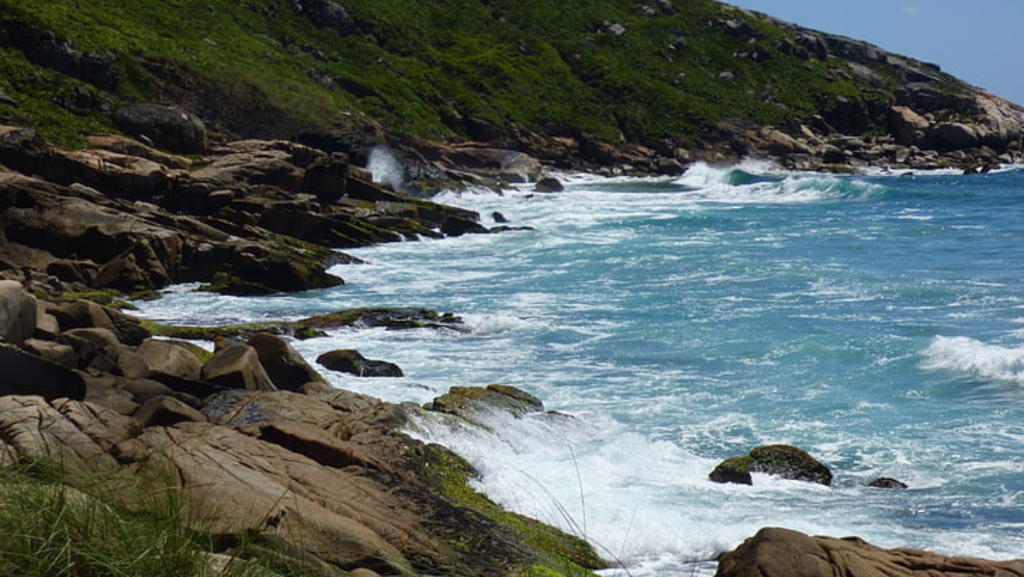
(784, 461)
(466, 402)
(789, 462)
(390, 318)
(733, 470)
(240, 332)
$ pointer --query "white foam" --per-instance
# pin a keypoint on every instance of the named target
(972, 357)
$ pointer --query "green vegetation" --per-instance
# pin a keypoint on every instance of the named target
(563, 555)
(55, 524)
(437, 69)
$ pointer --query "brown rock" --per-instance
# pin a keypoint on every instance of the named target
(906, 125)
(353, 362)
(54, 352)
(782, 552)
(170, 358)
(237, 367)
(283, 364)
(86, 314)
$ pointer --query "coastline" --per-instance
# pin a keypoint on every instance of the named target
(267, 171)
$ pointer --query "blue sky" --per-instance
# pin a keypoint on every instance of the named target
(979, 41)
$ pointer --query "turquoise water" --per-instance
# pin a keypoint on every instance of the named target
(874, 321)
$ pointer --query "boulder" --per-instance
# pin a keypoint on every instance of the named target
(237, 367)
(54, 352)
(777, 552)
(18, 313)
(87, 314)
(549, 184)
(906, 125)
(283, 364)
(352, 362)
(169, 128)
(783, 461)
(458, 226)
(887, 483)
(170, 358)
(23, 373)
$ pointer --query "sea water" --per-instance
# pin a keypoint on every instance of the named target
(877, 322)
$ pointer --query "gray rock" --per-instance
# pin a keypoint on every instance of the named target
(170, 128)
(327, 14)
(17, 313)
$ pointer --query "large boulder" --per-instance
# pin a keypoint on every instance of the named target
(785, 461)
(167, 127)
(170, 358)
(283, 364)
(782, 552)
(237, 367)
(17, 313)
(83, 314)
(466, 402)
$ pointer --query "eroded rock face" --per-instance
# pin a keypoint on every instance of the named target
(170, 128)
(778, 552)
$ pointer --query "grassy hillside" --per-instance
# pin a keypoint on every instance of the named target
(611, 69)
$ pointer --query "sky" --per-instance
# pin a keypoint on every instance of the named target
(978, 41)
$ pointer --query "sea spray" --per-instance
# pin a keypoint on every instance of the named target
(385, 166)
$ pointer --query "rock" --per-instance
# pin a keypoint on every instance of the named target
(391, 318)
(952, 136)
(170, 358)
(499, 217)
(458, 226)
(18, 313)
(775, 551)
(99, 391)
(248, 165)
(163, 411)
(352, 362)
(7, 100)
(142, 390)
(327, 14)
(906, 125)
(327, 179)
(170, 128)
(783, 461)
(465, 401)
(666, 7)
(887, 483)
(548, 185)
(238, 367)
(22, 373)
(87, 314)
(90, 344)
(54, 352)
(733, 470)
(283, 364)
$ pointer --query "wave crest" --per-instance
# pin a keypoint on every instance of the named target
(969, 356)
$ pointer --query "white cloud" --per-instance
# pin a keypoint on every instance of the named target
(911, 10)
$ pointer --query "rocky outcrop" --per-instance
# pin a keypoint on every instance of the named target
(323, 477)
(253, 217)
(167, 127)
(783, 461)
(776, 551)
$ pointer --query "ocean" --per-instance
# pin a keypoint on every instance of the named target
(875, 321)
